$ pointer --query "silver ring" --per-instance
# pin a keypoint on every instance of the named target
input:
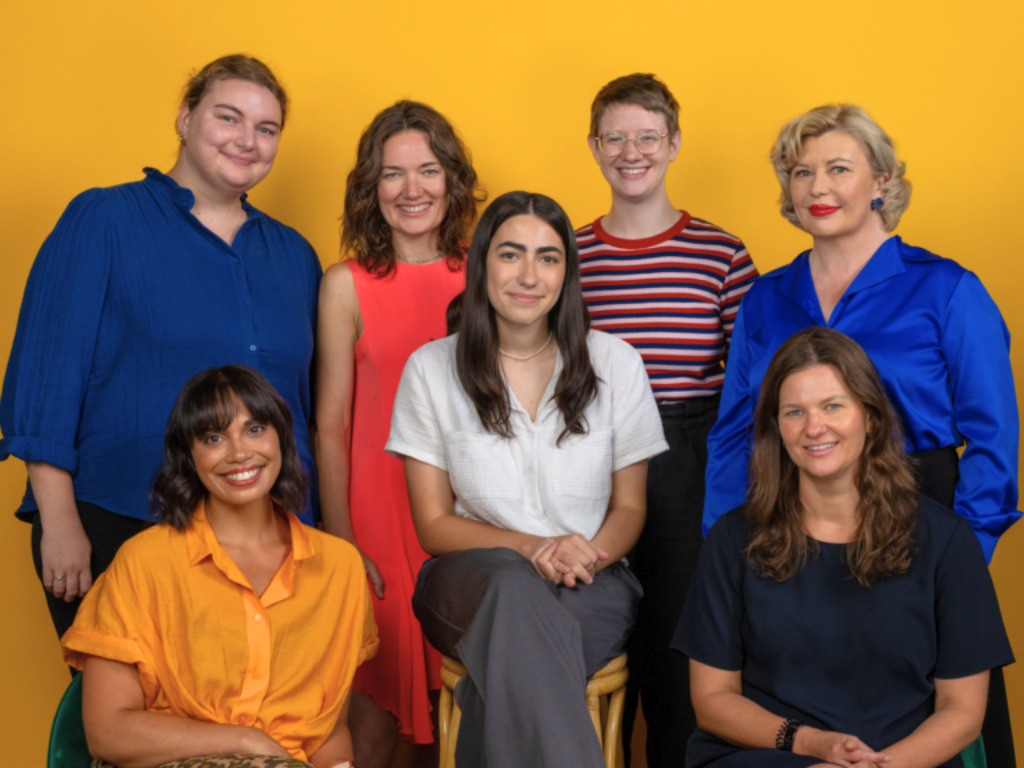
(59, 578)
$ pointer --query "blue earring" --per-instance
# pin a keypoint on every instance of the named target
(877, 203)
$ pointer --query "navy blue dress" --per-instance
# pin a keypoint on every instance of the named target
(820, 647)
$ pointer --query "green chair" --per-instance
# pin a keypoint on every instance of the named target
(67, 736)
(974, 755)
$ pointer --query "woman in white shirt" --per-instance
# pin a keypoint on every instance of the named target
(525, 439)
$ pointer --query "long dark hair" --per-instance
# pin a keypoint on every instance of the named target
(364, 230)
(209, 402)
(477, 345)
(888, 493)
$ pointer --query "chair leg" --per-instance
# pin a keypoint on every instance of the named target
(444, 722)
(594, 707)
(613, 728)
(449, 759)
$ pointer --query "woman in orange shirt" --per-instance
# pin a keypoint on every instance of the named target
(243, 625)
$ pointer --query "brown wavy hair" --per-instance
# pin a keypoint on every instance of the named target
(476, 349)
(643, 90)
(888, 492)
(209, 402)
(364, 231)
(236, 66)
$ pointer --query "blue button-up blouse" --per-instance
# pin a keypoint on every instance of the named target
(940, 346)
(130, 296)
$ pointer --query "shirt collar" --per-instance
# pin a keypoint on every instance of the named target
(183, 197)
(798, 286)
(202, 543)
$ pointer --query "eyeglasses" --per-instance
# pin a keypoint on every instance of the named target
(646, 142)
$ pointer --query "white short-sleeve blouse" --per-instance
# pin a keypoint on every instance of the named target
(529, 483)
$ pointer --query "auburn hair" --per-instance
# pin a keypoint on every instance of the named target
(887, 509)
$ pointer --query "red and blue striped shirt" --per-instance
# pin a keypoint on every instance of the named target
(673, 296)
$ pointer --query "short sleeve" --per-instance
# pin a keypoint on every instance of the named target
(709, 628)
(637, 430)
(370, 641)
(107, 623)
(415, 429)
(969, 625)
(51, 359)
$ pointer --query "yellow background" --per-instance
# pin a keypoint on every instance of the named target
(90, 95)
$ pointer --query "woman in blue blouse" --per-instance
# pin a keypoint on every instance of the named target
(936, 337)
(138, 287)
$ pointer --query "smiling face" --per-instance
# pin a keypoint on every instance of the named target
(832, 187)
(412, 193)
(525, 272)
(231, 137)
(634, 176)
(822, 424)
(240, 464)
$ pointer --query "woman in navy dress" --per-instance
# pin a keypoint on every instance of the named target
(839, 616)
(138, 287)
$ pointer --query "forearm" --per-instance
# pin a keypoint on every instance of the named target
(738, 720)
(450, 533)
(54, 492)
(618, 533)
(945, 734)
(332, 459)
(141, 739)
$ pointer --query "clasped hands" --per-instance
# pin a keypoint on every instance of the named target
(839, 748)
(567, 559)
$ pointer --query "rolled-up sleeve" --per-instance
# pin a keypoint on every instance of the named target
(49, 368)
(976, 345)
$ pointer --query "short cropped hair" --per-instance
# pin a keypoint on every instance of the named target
(236, 66)
(645, 91)
(856, 122)
(208, 402)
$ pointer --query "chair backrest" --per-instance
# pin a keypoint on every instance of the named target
(67, 736)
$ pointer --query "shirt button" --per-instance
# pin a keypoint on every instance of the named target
(252, 347)
(257, 618)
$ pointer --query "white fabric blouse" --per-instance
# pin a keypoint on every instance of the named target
(528, 483)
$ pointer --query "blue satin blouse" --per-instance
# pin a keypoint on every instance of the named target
(130, 296)
(940, 346)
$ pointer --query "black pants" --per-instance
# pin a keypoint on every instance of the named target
(106, 532)
(664, 561)
(937, 474)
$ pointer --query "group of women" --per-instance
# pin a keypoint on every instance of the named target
(486, 458)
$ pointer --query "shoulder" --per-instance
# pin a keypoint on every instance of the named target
(339, 553)
(730, 532)
(938, 526)
(586, 232)
(708, 231)
(609, 352)
(149, 551)
(434, 356)
(933, 266)
(339, 280)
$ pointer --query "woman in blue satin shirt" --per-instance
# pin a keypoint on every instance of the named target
(930, 327)
(138, 287)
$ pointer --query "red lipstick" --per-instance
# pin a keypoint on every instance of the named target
(823, 210)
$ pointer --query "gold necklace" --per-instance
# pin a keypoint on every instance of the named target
(517, 357)
(431, 260)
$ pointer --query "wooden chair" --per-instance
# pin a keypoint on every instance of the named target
(606, 693)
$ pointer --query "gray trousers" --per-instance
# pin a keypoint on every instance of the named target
(529, 647)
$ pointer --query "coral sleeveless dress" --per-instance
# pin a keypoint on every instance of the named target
(401, 313)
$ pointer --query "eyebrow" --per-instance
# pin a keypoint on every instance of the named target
(510, 244)
(237, 111)
(827, 399)
(421, 165)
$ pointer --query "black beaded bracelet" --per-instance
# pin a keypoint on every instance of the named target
(787, 734)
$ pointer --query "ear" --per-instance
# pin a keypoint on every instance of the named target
(594, 150)
(674, 145)
(184, 116)
(881, 182)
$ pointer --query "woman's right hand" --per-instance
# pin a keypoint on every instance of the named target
(840, 748)
(66, 553)
(373, 574)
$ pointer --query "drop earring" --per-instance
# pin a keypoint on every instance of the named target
(877, 203)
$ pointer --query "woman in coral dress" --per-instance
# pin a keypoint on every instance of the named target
(409, 204)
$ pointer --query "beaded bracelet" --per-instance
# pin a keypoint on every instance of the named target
(787, 734)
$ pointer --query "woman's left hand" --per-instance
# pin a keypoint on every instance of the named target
(577, 559)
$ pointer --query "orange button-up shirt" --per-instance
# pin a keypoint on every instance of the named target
(207, 647)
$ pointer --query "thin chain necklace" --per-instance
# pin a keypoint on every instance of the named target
(429, 260)
(517, 357)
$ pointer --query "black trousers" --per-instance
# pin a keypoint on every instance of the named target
(937, 474)
(664, 561)
(106, 532)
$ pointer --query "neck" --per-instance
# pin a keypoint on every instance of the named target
(250, 524)
(207, 200)
(521, 340)
(639, 219)
(848, 254)
(830, 508)
(418, 248)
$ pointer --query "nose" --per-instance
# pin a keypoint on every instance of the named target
(412, 186)
(815, 423)
(246, 137)
(630, 150)
(528, 272)
(820, 184)
(239, 450)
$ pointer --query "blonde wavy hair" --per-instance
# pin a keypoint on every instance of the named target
(856, 122)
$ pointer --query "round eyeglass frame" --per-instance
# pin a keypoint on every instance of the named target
(606, 153)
